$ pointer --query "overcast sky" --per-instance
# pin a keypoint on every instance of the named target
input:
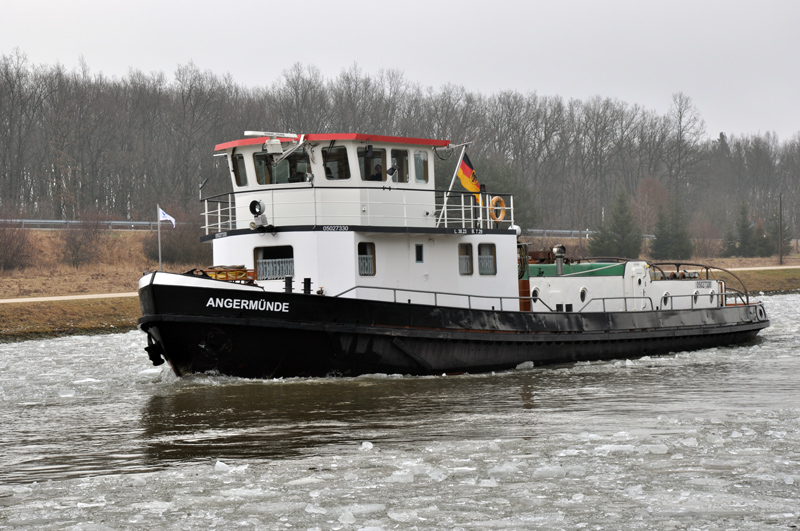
(736, 59)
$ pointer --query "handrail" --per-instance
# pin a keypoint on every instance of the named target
(726, 294)
(708, 269)
(435, 294)
(59, 224)
(419, 208)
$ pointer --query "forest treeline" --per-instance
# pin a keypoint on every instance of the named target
(72, 141)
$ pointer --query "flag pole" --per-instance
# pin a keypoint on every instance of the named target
(452, 182)
(158, 220)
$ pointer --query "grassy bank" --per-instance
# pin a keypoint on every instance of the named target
(119, 269)
(21, 321)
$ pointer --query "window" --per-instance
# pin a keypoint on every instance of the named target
(400, 164)
(487, 263)
(372, 163)
(421, 166)
(293, 169)
(263, 165)
(583, 294)
(366, 259)
(274, 262)
(464, 258)
(418, 253)
(239, 170)
(335, 162)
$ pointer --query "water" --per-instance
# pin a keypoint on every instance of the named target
(93, 438)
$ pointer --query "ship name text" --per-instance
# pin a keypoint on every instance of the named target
(247, 304)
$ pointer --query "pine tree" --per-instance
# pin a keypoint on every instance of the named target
(745, 236)
(662, 243)
(762, 243)
(682, 246)
(620, 237)
(730, 244)
(774, 234)
(672, 240)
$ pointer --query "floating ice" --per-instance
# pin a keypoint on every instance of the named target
(505, 468)
(366, 446)
(347, 518)
(221, 467)
(305, 481)
(402, 516)
(549, 472)
(653, 449)
(401, 477)
(525, 365)
(607, 449)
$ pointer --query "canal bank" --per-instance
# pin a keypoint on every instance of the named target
(25, 318)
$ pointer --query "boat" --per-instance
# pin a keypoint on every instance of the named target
(335, 254)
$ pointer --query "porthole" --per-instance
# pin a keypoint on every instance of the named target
(665, 299)
(583, 294)
(711, 296)
(535, 295)
(695, 296)
(640, 281)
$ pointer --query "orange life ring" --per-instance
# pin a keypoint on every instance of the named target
(497, 202)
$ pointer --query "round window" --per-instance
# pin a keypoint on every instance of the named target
(694, 297)
(665, 299)
(583, 294)
(535, 295)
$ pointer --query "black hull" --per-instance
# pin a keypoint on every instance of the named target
(310, 335)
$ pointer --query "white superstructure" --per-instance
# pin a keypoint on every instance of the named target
(360, 214)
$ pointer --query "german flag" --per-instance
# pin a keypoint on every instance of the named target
(469, 180)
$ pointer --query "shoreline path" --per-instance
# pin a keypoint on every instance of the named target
(136, 293)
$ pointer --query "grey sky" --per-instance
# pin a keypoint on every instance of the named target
(736, 59)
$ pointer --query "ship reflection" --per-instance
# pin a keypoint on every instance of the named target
(242, 419)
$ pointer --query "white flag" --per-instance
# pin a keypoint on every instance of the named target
(163, 216)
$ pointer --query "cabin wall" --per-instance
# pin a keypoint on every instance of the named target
(564, 291)
(397, 267)
(633, 291)
(324, 201)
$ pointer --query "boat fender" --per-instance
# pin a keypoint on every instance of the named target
(497, 202)
(762, 315)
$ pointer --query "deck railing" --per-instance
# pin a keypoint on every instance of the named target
(306, 204)
(626, 304)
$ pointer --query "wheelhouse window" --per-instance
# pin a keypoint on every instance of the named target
(366, 259)
(421, 166)
(274, 262)
(400, 165)
(335, 162)
(293, 169)
(464, 258)
(263, 165)
(239, 170)
(487, 262)
(372, 163)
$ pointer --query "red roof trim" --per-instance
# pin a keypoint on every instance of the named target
(340, 136)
